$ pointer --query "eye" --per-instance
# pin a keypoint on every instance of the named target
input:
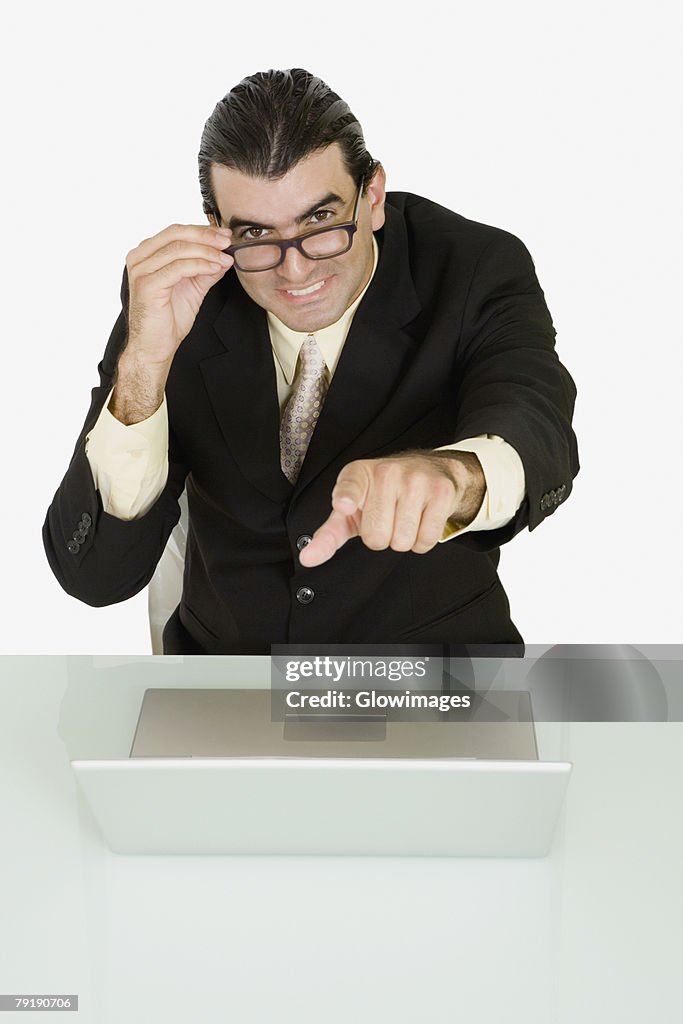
(320, 216)
(252, 234)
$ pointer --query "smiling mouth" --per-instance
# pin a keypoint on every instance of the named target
(306, 291)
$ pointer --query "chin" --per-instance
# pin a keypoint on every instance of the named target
(313, 322)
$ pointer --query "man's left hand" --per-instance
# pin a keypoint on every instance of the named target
(401, 502)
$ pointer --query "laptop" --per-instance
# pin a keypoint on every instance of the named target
(219, 772)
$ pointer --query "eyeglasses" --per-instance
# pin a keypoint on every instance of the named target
(320, 244)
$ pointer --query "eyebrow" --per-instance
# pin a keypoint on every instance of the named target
(331, 197)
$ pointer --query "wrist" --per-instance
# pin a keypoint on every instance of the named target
(470, 485)
(139, 357)
(139, 388)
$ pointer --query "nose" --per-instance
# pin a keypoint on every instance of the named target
(295, 268)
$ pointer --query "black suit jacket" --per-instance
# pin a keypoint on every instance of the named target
(452, 339)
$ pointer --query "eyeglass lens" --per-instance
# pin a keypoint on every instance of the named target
(261, 257)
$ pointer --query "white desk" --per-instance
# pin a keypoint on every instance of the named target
(591, 934)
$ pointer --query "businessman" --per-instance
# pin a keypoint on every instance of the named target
(358, 390)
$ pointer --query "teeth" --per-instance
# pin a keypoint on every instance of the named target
(307, 291)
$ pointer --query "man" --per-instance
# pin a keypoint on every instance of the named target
(359, 392)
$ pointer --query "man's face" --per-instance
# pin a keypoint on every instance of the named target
(316, 192)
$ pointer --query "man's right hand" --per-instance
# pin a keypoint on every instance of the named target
(169, 276)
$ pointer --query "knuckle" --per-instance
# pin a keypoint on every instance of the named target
(384, 471)
(164, 272)
(402, 540)
(413, 483)
(426, 539)
(400, 546)
(137, 281)
(408, 525)
(373, 518)
(433, 522)
(444, 487)
(373, 534)
(344, 489)
(374, 543)
(405, 530)
(350, 470)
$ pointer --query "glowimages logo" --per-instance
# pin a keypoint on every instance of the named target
(364, 699)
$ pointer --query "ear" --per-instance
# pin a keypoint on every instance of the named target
(376, 193)
(211, 219)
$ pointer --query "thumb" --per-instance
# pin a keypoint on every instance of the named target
(351, 488)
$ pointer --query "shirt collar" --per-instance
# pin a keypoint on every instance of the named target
(330, 340)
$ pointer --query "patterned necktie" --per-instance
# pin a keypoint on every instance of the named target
(302, 409)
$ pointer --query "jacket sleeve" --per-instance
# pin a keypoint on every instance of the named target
(512, 384)
(96, 557)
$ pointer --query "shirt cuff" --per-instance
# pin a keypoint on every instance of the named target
(129, 464)
(505, 483)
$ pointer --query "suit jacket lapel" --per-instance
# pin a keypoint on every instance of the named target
(240, 382)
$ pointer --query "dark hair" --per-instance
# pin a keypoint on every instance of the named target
(271, 121)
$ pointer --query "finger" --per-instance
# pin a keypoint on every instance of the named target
(204, 234)
(175, 251)
(379, 508)
(410, 507)
(328, 538)
(169, 275)
(432, 523)
(351, 488)
(206, 281)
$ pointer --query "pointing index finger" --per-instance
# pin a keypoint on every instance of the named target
(327, 539)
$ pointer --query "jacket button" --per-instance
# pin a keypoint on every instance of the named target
(303, 540)
(73, 547)
(83, 526)
(79, 536)
(305, 595)
(85, 519)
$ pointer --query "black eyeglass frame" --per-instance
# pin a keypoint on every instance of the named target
(350, 227)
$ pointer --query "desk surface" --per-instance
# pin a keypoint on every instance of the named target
(592, 933)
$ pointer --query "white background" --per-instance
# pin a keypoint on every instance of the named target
(560, 123)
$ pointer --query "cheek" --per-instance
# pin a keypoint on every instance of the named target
(253, 285)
